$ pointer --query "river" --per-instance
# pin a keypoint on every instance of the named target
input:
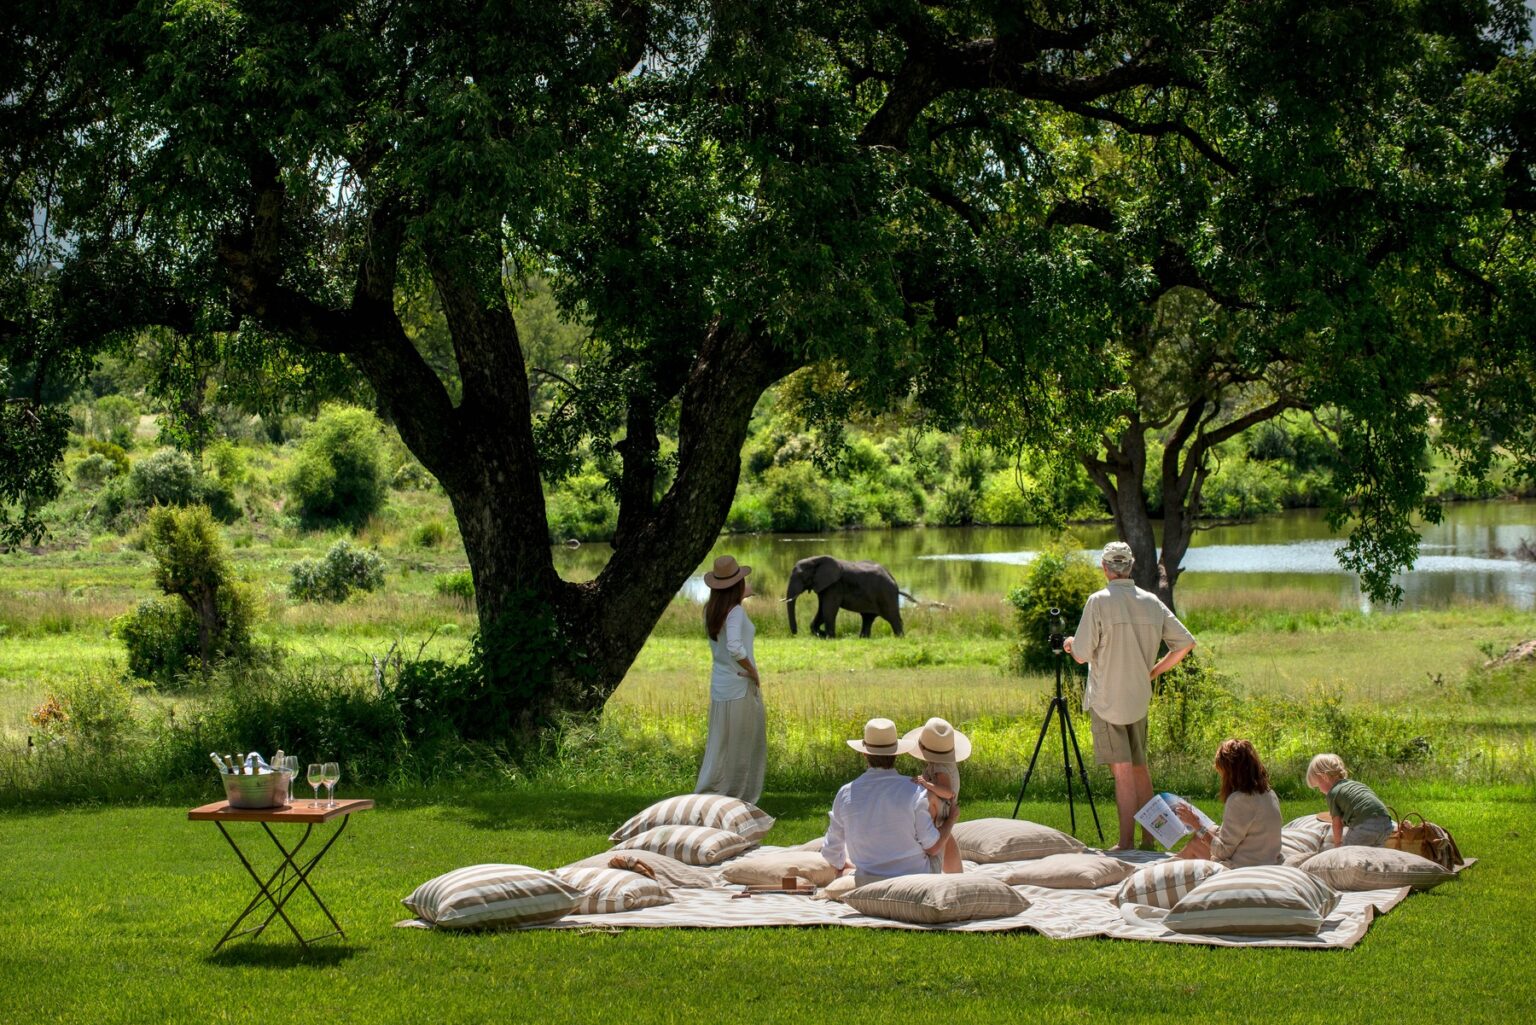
(1468, 556)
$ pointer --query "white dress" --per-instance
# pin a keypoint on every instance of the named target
(736, 753)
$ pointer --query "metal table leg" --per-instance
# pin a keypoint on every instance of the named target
(278, 888)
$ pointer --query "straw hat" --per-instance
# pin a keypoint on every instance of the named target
(937, 741)
(880, 738)
(726, 573)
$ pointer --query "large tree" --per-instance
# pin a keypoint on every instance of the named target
(723, 192)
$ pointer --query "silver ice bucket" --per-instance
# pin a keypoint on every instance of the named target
(264, 789)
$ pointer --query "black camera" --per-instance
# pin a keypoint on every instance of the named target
(1058, 630)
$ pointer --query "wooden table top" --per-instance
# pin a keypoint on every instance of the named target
(298, 811)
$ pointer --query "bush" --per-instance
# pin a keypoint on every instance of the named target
(456, 585)
(114, 418)
(344, 569)
(412, 476)
(113, 452)
(1060, 577)
(339, 474)
(94, 470)
(190, 565)
(749, 514)
(161, 637)
(228, 462)
(170, 477)
(796, 498)
(430, 534)
(582, 508)
(957, 505)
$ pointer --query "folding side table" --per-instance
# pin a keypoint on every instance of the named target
(291, 874)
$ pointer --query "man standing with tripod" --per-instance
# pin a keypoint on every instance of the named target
(1118, 636)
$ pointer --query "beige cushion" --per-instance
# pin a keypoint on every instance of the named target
(1306, 835)
(992, 840)
(837, 889)
(713, 810)
(610, 890)
(1085, 871)
(930, 899)
(1375, 868)
(814, 844)
(771, 868)
(1298, 858)
(692, 845)
(493, 897)
(1164, 883)
(1261, 900)
(669, 872)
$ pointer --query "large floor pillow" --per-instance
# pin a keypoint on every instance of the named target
(1087, 870)
(692, 845)
(1265, 900)
(670, 872)
(930, 899)
(611, 890)
(1164, 883)
(493, 897)
(991, 840)
(838, 889)
(773, 867)
(1375, 868)
(1302, 836)
(713, 810)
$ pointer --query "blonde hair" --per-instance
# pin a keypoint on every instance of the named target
(1327, 765)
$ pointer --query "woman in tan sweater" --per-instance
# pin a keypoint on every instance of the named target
(1249, 833)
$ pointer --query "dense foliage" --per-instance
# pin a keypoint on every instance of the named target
(339, 476)
(344, 569)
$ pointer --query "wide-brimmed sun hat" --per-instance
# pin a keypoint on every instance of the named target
(726, 573)
(937, 741)
(1118, 555)
(881, 738)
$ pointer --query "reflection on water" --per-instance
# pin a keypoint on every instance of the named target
(1466, 557)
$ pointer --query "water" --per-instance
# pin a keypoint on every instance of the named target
(1467, 557)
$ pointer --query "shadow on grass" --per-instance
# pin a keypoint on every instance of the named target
(273, 955)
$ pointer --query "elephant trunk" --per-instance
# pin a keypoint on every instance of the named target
(795, 587)
(790, 604)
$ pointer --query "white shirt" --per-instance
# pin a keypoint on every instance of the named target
(727, 680)
(881, 823)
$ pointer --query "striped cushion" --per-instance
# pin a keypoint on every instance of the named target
(1163, 884)
(492, 896)
(670, 872)
(610, 890)
(1085, 871)
(714, 810)
(1375, 868)
(990, 840)
(1261, 900)
(1306, 835)
(692, 845)
(772, 867)
(928, 899)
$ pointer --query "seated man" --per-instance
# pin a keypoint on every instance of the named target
(880, 822)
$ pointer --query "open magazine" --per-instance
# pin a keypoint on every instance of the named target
(1157, 817)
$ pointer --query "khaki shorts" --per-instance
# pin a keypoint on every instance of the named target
(1118, 742)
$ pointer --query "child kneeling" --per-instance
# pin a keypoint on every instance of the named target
(1359, 817)
(942, 748)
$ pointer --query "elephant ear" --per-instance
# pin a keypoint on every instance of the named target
(827, 574)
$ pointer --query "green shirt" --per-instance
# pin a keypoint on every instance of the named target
(1354, 802)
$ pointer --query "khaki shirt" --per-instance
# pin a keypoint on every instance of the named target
(1119, 634)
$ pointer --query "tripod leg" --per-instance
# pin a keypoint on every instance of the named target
(1031, 770)
(1066, 763)
(1083, 773)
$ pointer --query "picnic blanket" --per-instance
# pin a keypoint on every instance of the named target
(1058, 914)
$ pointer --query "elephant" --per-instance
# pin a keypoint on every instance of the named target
(863, 587)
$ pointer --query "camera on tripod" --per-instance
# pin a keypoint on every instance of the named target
(1058, 638)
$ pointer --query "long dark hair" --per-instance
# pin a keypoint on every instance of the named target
(721, 601)
(1240, 769)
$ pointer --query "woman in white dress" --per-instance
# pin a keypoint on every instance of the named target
(736, 754)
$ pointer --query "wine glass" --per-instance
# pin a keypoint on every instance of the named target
(288, 765)
(331, 772)
(316, 776)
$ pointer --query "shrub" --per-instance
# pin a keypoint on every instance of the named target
(344, 569)
(190, 565)
(430, 534)
(582, 508)
(456, 585)
(228, 462)
(412, 476)
(161, 637)
(1062, 578)
(114, 418)
(339, 474)
(749, 514)
(166, 477)
(796, 498)
(115, 453)
(957, 505)
(94, 470)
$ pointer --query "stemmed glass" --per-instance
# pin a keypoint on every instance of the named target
(331, 773)
(316, 776)
(288, 765)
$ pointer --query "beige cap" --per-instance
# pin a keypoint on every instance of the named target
(880, 738)
(1118, 555)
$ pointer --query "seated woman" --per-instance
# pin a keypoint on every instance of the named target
(1250, 818)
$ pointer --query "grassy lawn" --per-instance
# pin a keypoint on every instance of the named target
(109, 915)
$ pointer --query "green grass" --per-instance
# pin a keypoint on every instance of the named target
(109, 916)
